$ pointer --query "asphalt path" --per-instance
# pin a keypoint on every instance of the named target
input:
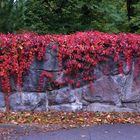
(102, 132)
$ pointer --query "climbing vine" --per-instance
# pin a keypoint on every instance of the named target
(78, 54)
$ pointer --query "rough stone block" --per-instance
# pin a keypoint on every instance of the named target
(104, 90)
(28, 101)
(51, 62)
(61, 96)
(100, 107)
(131, 89)
(67, 107)
(2, 102)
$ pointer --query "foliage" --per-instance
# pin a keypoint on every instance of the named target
(52, 16)
(106, 15)
(68, 16)
(53, 120)
(135, 17)
(78, 54)
(11, 15)
(37, 122)
(74, 15)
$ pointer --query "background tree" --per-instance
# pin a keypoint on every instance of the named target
(105, 15)
(68, 16)
(11, 15)
(134, 15)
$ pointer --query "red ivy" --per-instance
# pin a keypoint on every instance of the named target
(78, 53)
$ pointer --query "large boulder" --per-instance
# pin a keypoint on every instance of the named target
(102, 90)
(76, 106)
(28, 101)
(120, 81)
(31, 81)
(2, 102)
(131, 89)
(78, 94)
(100, 107)
(0, 86)
(61, 96)
(135, 106)
(51, 62)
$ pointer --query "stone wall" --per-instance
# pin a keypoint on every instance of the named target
(112, 91)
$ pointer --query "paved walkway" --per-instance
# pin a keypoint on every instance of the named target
(102, 132)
